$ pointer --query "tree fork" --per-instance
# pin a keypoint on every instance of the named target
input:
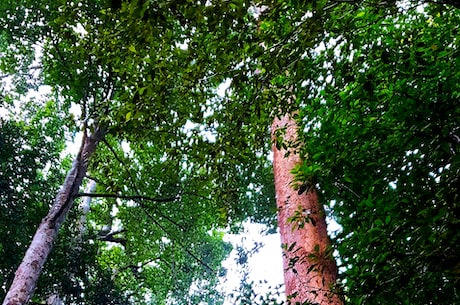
(28, 272)
(310, 271)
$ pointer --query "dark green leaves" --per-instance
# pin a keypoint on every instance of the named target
(380, 132)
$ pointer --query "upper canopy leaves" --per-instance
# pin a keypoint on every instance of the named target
(376, 87)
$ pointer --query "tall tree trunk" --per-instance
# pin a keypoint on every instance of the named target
(310, 272)
(26, 276)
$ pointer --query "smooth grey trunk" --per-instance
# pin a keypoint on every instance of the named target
(26, 276)
(85, 206)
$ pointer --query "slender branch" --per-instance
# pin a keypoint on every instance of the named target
(180, 243)
(345, 187)
(94, 179)
(142, 264)
(114, 153)
(138, 198)
(111, 238)
(2, 76)
(116, 232)
(132, 197)
(181, 227)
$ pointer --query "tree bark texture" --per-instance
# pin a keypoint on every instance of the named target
(26, 276)
(310, 272)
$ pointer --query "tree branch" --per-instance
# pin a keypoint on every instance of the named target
(131, 179)
(183, 246)
(110, 237)
(133, 197)
(138, 198)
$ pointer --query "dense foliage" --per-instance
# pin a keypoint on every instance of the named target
(378, 99)
(376, 93)
(389, 114)
(169, 175)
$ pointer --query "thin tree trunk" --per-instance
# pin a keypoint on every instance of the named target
(310, 272)
(26, 276)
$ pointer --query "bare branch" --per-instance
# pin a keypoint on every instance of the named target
(196, 258)
(111, 238)
(133, 197)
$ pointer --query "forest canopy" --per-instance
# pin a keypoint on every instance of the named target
(375, 90)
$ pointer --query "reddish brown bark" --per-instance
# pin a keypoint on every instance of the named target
(310, 272)
(26, 276)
